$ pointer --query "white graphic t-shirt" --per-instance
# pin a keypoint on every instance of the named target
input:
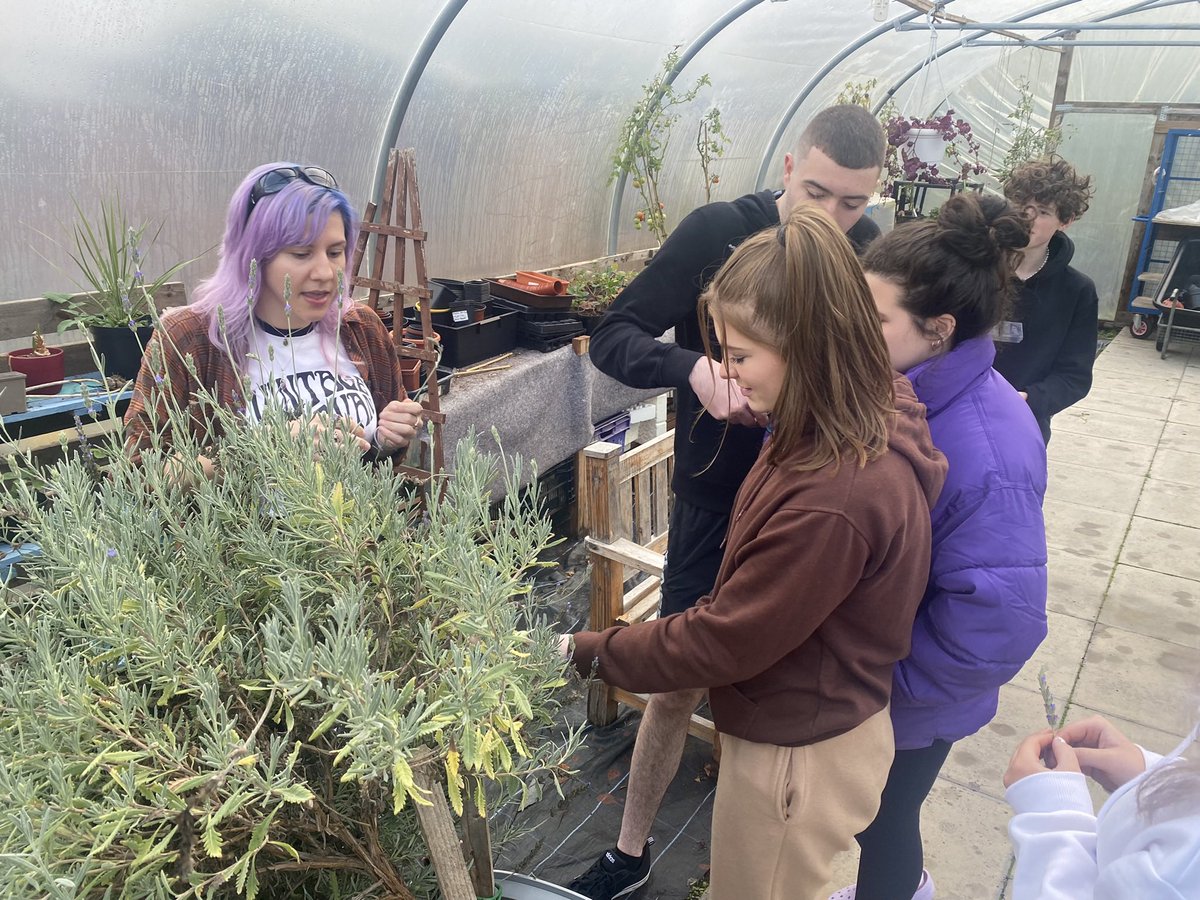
(293, 371)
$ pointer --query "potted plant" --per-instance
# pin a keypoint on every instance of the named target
(939, 150)
(118, 304)
(42, 366)
(593, 292)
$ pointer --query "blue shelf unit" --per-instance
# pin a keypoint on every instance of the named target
(1177, 183)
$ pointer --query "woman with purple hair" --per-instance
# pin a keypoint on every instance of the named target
(275, 326)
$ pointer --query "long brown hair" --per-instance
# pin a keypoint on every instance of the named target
(799, 290)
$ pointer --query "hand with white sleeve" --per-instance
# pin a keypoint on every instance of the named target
(1103, 752)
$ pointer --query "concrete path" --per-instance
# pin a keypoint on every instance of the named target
(1123, 527)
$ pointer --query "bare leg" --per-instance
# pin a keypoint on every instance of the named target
(657, 751)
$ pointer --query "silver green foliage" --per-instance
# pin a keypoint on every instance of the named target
(222, 689)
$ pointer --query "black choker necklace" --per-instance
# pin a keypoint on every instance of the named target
(284, 332)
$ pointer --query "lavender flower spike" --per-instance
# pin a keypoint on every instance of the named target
(252, 283)
(1052, 717)
(287, 295)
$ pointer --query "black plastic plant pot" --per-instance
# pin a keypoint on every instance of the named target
(120, 348)
(477, 292)
(463, 345)
(590, 323)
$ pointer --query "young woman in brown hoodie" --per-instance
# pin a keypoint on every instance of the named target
(826, 559)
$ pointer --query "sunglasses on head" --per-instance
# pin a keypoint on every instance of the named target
(276, 180)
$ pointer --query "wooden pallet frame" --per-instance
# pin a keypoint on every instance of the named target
(625, 506)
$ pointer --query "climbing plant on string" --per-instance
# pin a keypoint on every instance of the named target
(711, 142)
(1029, 140)
(642, 145)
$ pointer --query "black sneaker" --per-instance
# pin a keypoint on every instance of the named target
(610, 877)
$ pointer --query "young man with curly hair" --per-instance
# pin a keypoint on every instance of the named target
(1046, 351)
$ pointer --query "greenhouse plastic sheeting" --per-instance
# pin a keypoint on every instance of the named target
(514, 116)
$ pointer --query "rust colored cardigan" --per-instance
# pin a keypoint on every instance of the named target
(174, 369)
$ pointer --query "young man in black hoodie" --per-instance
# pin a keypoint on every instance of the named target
(1047, 350)
(835, 166)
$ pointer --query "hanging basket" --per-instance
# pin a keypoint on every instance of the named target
(927, 145)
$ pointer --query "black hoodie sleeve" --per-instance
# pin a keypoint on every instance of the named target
(625, 345)
(1070, 376)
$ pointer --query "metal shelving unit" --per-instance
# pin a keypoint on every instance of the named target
(1177, 183)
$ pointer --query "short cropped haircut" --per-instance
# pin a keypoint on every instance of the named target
(1051, 182)
(847, 134)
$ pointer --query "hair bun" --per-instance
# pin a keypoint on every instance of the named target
(980, 229)
(1008, 227)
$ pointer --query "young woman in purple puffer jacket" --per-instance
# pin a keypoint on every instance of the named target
(941, 286)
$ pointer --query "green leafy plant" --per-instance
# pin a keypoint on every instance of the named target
(711, 142)
(109, 253)
(642, 144)
(1029, 141)
(594, 291)
(856, 93)
(223, 690)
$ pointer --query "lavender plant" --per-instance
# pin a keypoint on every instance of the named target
(222, 689)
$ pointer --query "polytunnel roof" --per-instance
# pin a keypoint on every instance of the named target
(513, 106)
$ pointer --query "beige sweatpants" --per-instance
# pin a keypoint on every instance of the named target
(783, 813)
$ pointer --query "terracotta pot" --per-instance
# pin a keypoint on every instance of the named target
(410, 373)
(537, 283)
(412, 335)
(39, 370)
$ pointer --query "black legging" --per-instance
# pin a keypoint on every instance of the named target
(890, 865)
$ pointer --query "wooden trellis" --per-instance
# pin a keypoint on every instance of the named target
(463, 865)
(401, 197)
